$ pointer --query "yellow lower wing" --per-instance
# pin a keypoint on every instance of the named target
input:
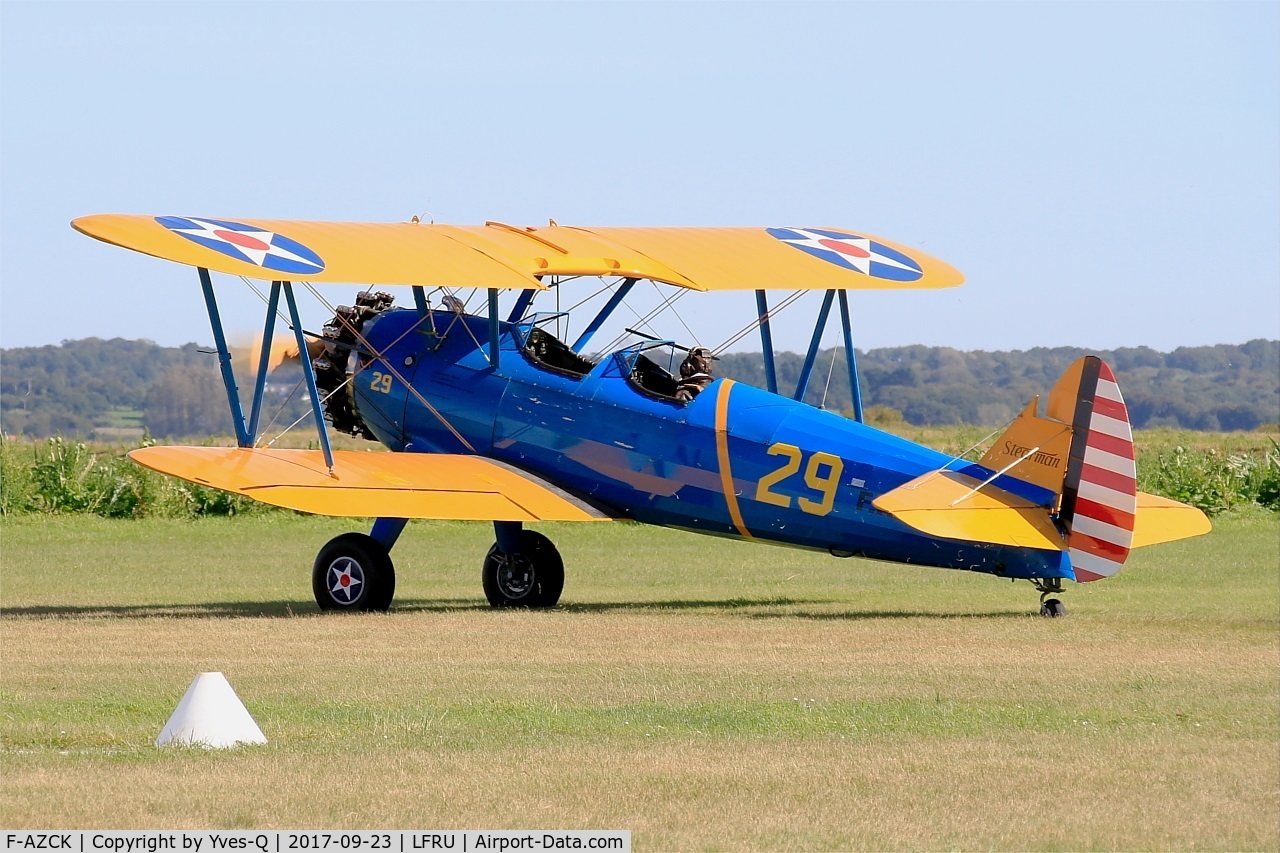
(392, 485)
(943, 504)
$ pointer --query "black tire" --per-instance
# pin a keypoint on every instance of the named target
(353, 573)
(532, 578)
(1053, 608)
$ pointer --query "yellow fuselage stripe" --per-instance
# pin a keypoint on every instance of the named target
(722, 452)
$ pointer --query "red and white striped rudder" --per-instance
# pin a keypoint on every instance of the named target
(1099, 496)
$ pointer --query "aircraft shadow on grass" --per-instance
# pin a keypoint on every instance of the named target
(762, 608)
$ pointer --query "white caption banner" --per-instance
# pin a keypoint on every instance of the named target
(307, 841)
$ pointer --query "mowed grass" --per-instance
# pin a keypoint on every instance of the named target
(705, 694)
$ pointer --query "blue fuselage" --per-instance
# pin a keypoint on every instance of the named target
(736, 461)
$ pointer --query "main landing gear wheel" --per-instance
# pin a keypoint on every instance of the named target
(353, 572)
(534, 577)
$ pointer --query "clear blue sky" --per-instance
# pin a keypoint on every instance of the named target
(1105, 174)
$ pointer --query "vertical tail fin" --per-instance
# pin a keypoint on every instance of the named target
(1080, 455)
(1099, 493)
(1082, 451)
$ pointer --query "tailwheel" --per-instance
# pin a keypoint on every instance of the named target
(1050, 608)
(1053, 608)
(353, 572)
(530, 577)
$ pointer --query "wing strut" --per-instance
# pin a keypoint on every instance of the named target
(522, 305)
(820, 326)
(608, 309)
(420, 300)
(309, 374)
(851, 358)
(802, 384)
(224, 361)
(766, 342)
(246, 432)
(494, 329)
(264, 360)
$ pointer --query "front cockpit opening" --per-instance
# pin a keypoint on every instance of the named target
(545, 350)
(549, 352)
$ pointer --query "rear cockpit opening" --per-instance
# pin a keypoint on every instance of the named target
(677, 384)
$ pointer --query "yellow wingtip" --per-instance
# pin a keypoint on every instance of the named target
(1163, 520)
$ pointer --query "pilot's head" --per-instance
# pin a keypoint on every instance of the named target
(700, 359)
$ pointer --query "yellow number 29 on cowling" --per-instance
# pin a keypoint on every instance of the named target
(381, 382)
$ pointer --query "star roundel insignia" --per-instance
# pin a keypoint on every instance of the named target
(345, 576)
(850, 251)
(247, 243)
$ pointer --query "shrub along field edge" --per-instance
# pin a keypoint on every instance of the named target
(1215, 472)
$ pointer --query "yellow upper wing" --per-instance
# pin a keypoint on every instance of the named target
(392, 485)
(504, 256)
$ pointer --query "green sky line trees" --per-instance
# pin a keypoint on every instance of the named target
(116, 388)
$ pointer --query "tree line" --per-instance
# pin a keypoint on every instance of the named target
(104, 388)
(1211, 388)
(94, 388)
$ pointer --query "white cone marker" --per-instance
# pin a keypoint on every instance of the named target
(210, 715)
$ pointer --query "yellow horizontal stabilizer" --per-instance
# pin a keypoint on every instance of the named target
(391, 485)
(1162, 520)
(943, 503)
(505, 256)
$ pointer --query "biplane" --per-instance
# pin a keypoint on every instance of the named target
(496, 415)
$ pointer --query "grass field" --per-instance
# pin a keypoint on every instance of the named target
(705, 694)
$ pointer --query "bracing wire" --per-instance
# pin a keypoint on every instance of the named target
(644, 321)
(279, 411)
(285, 403)
(830, 370)
(377, 354)
(279, 314)
(607, 286)
(960, 456)
(391, 368)
(457, 318)
(756, 323)
(692, 336)
(302, 418)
